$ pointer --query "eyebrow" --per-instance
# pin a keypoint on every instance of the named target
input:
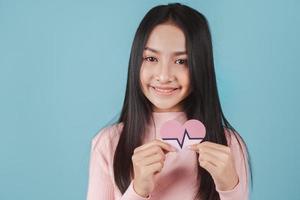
(175, 53)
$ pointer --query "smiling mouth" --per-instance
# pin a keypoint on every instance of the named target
(164, 91)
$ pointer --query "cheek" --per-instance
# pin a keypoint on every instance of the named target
(185, 79)
(144, 76)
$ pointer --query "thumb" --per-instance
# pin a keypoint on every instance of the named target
(193, 147)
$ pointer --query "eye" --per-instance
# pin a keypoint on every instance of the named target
(150, 59)
(181, 61)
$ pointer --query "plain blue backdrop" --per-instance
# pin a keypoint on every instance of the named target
(63, 69)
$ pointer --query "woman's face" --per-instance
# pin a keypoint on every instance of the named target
(164, 72)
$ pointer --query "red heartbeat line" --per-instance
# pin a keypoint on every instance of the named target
(182, 142)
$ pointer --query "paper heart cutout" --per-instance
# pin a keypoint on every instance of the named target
(191, 132)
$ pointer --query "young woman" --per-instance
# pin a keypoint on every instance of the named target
(170, 77)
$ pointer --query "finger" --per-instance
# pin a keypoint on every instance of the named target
(210, 145)
(208, 166)
(211, 158)
(214, 145)
(155, 168)
(151, 160)
(193, 147)
(165, 146)
(152, 150)
(221, 153)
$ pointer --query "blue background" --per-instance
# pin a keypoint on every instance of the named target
(63, 67)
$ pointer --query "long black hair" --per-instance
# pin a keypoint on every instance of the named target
(203, 102)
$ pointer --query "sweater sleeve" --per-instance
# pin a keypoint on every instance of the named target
(100, 185)
(240, 191)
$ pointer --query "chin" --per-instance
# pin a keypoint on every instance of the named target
(166, 108)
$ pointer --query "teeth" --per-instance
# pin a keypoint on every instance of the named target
(163, 90)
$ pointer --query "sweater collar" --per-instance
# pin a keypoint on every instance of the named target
(161, 117)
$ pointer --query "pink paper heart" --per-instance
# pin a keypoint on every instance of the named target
(178, 135)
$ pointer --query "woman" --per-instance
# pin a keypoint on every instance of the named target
(170, 77)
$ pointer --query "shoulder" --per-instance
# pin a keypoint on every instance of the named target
(107, 137)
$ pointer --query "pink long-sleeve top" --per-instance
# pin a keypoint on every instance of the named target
(176, 181)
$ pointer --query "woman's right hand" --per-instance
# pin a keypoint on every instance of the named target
(148, 160)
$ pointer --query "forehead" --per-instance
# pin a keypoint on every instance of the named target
(167, 38)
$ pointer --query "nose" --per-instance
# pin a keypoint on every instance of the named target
(164, 74)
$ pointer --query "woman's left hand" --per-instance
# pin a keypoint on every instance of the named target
(217, 159)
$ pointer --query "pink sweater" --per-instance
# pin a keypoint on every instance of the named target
(176, 181)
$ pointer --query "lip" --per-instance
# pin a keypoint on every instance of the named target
(164, 88)
(158, 90)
